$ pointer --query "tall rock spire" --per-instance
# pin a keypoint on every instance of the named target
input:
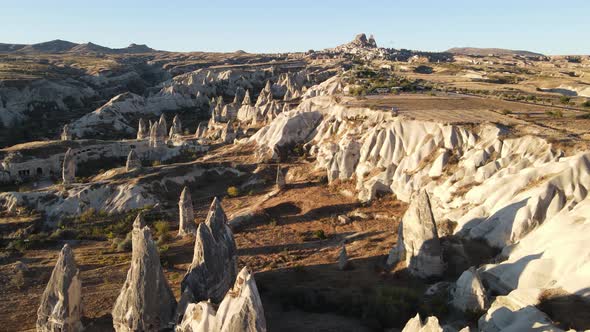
(186, 224)
(146, 302)
(66, 135)
(247, 100)
(418, 243)
(214, 265)
(61, 302)
(241, 310)
(142, 130)
(133, 161)
(69, 167)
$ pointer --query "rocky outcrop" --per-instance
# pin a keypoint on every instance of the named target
(469, 294)
(240, 311)
(66, 135)
(42, 94)
(214, 265)
(146, 302)
(61, 302)
(69, 167)
(133, 161)
(417, 325)
(142, 130)
(176, 128)
(186, 223)
(513, 313)
(418, 244)
(113, 115)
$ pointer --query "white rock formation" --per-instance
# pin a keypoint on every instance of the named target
(111, 114)
(142, 130)
(214, 265)
(469, 294)
(511, 314)
(417, 325)
(69, 167)
(146, 302)
(240, 311)
(186, 223)
(66, 135)
(61, 302)
(516, 193)
(418, 243)
(133, 161)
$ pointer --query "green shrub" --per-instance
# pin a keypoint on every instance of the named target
(233, 191)
(319, 234)
(123, 245)
(586, 103)
(506, 112)
(162, 229)
(564, 99)
(555, 114)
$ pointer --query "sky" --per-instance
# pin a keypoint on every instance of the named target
(549, 27)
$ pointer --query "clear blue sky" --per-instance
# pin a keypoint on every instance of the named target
(551, 27)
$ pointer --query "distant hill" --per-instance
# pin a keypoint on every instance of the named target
(62, 46)
(488, 51)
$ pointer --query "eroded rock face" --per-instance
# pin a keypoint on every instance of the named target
(186, 224)
(61, 302)
(418, 242)
(214, 265)
(417, 325)
(469, 293)
(146, 302)
(133, 161)
(240, 311)
(69, 167)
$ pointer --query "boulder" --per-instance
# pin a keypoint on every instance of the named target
(61, 302)
(146, 302)
(240, 311)
(214, 265)
(133, 161)
(469, 294)
(69, 167)
(418, 243)
(186, 224)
